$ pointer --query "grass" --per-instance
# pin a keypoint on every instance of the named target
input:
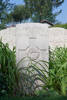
(61, 25)
(35, 98)
(51, 95)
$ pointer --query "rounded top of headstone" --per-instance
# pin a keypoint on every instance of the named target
(33, 25)
(32, 28)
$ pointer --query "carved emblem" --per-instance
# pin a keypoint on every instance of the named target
(33, 52)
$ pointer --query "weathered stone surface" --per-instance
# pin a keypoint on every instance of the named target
(9, 36)
(32, 41)
(57, 37)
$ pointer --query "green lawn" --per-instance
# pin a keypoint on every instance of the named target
(35, 98)
(51, 95)
(61, 25)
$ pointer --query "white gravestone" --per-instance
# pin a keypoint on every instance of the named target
(32, 41)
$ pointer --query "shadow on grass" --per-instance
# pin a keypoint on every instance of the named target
(35, 98)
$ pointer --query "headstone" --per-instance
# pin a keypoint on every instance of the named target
(32, 41)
